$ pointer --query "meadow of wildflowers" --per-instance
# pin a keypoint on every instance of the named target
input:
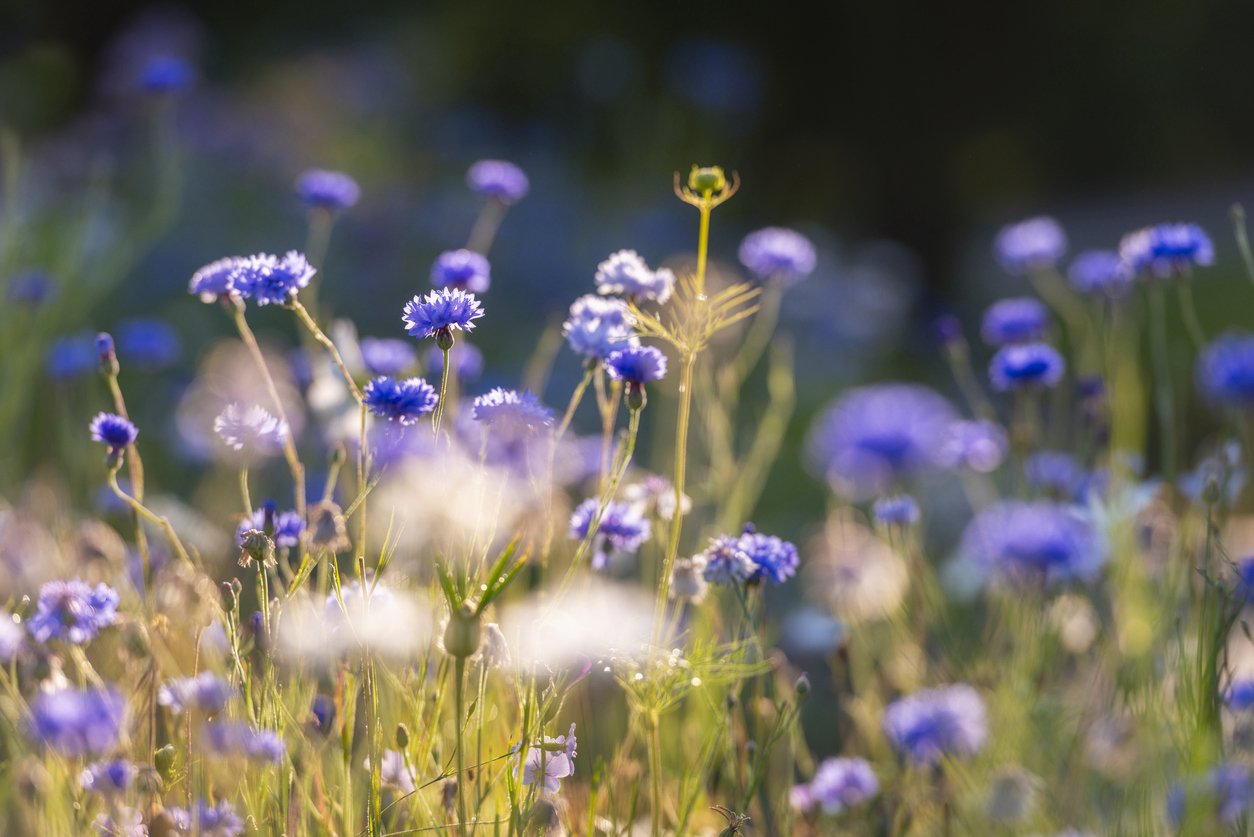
(399, 594)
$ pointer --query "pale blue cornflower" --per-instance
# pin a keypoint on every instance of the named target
(1026, 366)
(1100, 273)
(1225, 371)
(441, 312)
(108, 778)
(550, 762)
(1166, 250)
(286, 526)
(250, 430)
(626, 274)
(975, 445)
(233, 738)
(778, 254)
(598, 326)
(463, 269)
(73, 611)
(402, 401)
(623, 528)
(933, 723)
(1034, 542)
(387, 356)
(78, 722)
(724, 561)
(207, 820)
(1031, 245)
(112, 430)
(499, 180)
(206, 693)
(1016, 320)
(509, 408)
(330, 191)
(838, 784)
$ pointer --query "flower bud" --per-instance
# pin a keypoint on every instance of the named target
(462, 634)
(707, 180)
(444, 339)
(107, 354)
(802, 687)
(228, 597)
(636, 397)
(163, 760)
(256, 546)
(402, 737)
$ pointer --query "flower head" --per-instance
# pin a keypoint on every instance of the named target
(78, 723)
(206, 692)
(976, 445)
(271, 280)
(207, 820)
(896, 510)
(217, 279)
(442, 311)
(250, 430)
(1026, 541)
(1225, 371)
(232, 738)
(636, 365)
(598, 326)
(725, 562)
(1100, 273)
(1030, 245)
(108, 778)
(498, 179)
(875, 436)
(622, 527)
(509, 408)
(327, 190)
(166, 74)
(933, 723)
(395, 772)
(113, 430)
(463, 269)
(551, 761)
(774, 559)
(73, 611)
(387, 356)
(1166, 250)
(841, 783)
(777, 254)
(625, 273)
(1026, 366)
(404, 401)
(1017, 320)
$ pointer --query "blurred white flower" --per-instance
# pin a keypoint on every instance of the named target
(859, 576)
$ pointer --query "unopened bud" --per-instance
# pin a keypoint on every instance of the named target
(163, 760)
(402, 737)
(636, 397)
(444, 339)
(707, 180)
(802, 687)
(462, 634)
(107, 353)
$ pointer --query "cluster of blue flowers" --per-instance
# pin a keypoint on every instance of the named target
(264, 278)
(749, 558)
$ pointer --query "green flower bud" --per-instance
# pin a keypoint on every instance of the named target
(163, 760)
(462, 634)
(707, 181)
(444, 339)
(636, 397)
(402, 737)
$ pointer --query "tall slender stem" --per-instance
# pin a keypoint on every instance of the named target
(1188, 313)
(243, 491)
(135, 468)
(1163, 397)
(439, 405)
(149, 515)
(575, 399)
(459, 686)
(326, 343)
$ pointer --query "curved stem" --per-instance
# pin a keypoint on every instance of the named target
(135, 468)
(149, 515)
(243, 491)
(326, 343)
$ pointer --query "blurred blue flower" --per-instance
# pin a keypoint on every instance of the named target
(404, 401)
(233, 738)
(498, 179)
(874, 437)
(933, 723)
(1025, 366)
(1055, 472)
(388, 356)
(108, 778)
(623, 528)
(598, 326)
(112, 430)
(1100, 272)
(467, 361)
(1225, 370)
(1016, 320)
(1166, 250)
(207, 820)
(287, 527)
(69, 357)
(29, 287)
(444, 310)
(463, 269)
(206, 693)
(73, 611)
(322, 710)
(166, 74)
(841, 783)
(896, 510)
(636, 365)
(1033, 542)
(716, 74)
(1239, 696)
(1031, 245)
(78, 723)
(778, 254)
(327, 190)
(148, 344)
(509, 408)
(1226, 790)
(724, 562)
(626, 274)
(774, 559)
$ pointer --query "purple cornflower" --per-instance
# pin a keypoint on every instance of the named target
(1026, 366)
(724, 561)
(1239, 696)
(463, 269)
(598, 326)
(216, 279)
(1026, 542)
(1055, 472)
(404, 401)
(625, 274)
(148, 344)
(123, 821)
(73, 611)
(623, 528)
(288, 527)
(166, 74)
(394, 772)
(1016, 320)
(250, 430)
(1225, 371)
(29, 287)
(1225, 789)
(327, 190)
(441, 313)
(108, 778)
(387, 356)
(511, 408)
(933, 723)
(498, 179)
(777, 254)
(875, 436)
(206, 692)
(1100, 273)
(232, 738)
(839, 783)
(270, 280)
(1030, 245)
(896, 510)
(976, 445)
(1166, 250)
(113, 430)
(636, 365)
(555, 757)
(78, 723)
(774, 559)
(207, 820)
(466, 359)
(70, 356)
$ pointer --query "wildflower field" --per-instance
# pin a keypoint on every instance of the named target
(289, 549)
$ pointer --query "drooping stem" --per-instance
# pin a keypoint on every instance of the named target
(149, 515)
(1163, 397)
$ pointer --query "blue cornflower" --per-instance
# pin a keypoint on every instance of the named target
(976, 445)
(466, 359)
(623, 528)
(625, 274)
(598, 326)
(777, 254)
(1239, 696)
(1026, 366)
(112, 430)
(1030, 245)
(29, 287)
(724, 561)
(166, 74)
(1055, 472)
(322, 713)
(875, 436)
(395, 771)
(1225, 370)
(1226, 789)
(774, 559)
(232, 738)
(122, 821)
(148, 344)
(1027, 542)
(250, 430)
(217, 279)
(387, 356)
(511, 408)
(207, 820)
(896, 510)
(404, 401)
(1166, 250)
(206, 692)
(636, 365)
(498, 179)
(841, 783)
(288, 526)
(270, 280)
(463, 269)
(1100, 273)
(73, 611)
(108, 778)
(71, 356)
(1017, 320)
(441, 313)
(551, 761)
(933, 723)
(327, 190)
(78, 723)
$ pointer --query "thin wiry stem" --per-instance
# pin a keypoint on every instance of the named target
(318, 335)
(149, 515)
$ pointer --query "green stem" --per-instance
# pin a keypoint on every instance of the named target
(681, 461)
(326, 343)
(243, 491)
(655, 772)
(1243, 239)
(459, 674)
(146, 513)
(1163, 397)
(439, 405)
(575, 399)
(1188, 312)
(489, 221)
